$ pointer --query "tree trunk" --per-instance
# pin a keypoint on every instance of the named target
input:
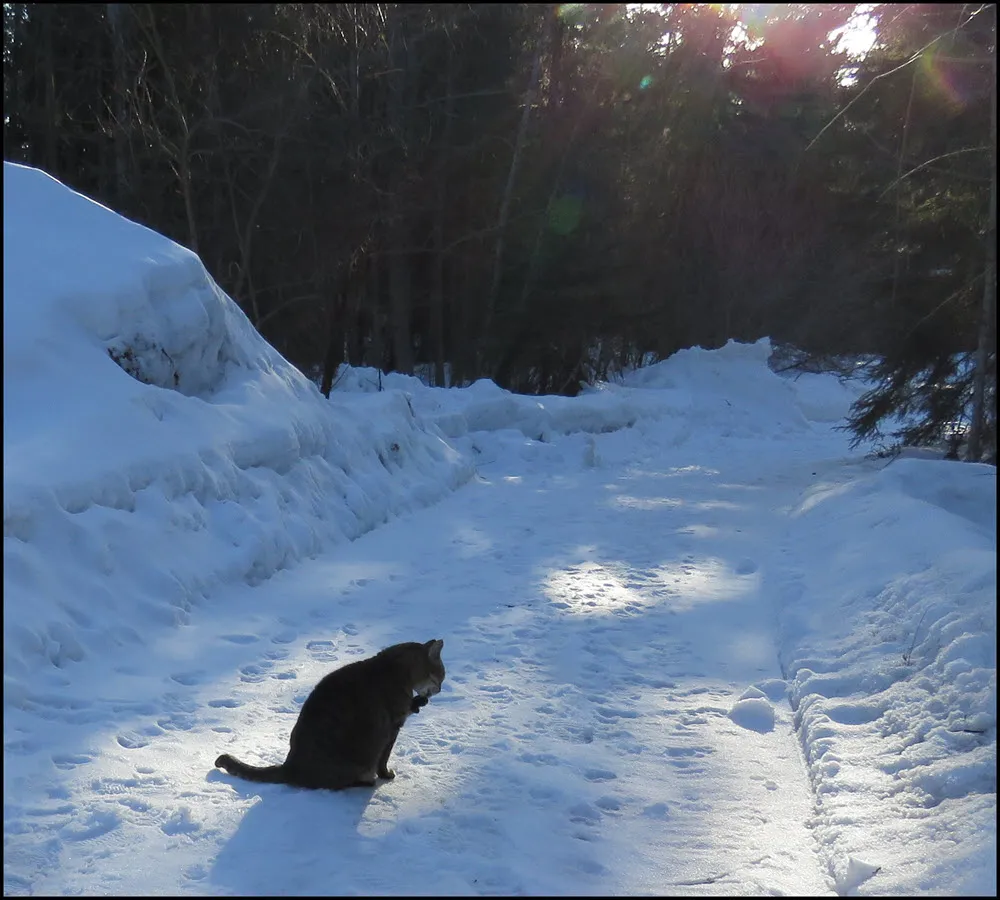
(400, 63)
(51, 142)
(988, 317)
(377, 355)
(119, 103)
(399, 290)
(508, 191)
(438, 272)
(334, 355)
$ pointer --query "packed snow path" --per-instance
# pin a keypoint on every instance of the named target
(598, 630)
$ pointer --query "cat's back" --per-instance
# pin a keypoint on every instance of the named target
(387, 679)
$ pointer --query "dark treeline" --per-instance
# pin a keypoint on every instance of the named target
(544, 193)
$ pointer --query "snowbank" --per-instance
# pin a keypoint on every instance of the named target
(730, 389)
(890, 651)
(155, 445)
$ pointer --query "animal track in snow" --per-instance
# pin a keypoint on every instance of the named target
(98, 823)
(608, 713)
(584, 813)
(682, 752)
(71, 760)
(180, 822)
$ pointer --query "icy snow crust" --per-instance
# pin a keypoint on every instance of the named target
(694, 644)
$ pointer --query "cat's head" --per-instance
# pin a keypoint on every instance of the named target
(429, 670)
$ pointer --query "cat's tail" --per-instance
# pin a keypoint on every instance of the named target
(267, 774)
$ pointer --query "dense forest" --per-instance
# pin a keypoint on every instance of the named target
(543, 194)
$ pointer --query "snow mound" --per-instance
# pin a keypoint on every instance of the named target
(155, 444)
(891, 653)
(949, 487)
(753, 713)
(730, 391)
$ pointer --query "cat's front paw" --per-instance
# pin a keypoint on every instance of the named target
(387, 774)
(417, 703)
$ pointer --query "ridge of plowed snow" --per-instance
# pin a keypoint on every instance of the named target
(227, 465)
(723, 388)
(890, 653)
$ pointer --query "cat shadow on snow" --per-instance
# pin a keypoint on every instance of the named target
(341, 742)
(290, 829)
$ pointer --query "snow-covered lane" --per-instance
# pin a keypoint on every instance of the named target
(599, 626)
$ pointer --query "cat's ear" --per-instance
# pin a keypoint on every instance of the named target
(434, 648)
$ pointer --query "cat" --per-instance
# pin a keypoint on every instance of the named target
(349, 723)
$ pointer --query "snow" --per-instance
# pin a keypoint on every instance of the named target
(695, 645)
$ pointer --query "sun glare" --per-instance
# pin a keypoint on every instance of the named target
(857, 37)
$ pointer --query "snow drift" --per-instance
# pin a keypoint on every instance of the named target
(155, 445)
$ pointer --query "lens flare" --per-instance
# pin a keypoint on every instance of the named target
(572, 13)
(645, 82)
(564, 214)
(946, 80)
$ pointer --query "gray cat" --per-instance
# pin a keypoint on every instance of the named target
(349, 723)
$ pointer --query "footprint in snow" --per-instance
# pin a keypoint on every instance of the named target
(321, 649)
(227, 702)
(286, 636)
(180, 822)
(97, 824)
(494, 689)
(610, 713)
(176, 722)
(687, 766)
(746, 567)
(584, 814)
(584, 734)
(196, 872)
(254, 673)
(599, 775)
(591, 867)
(544, 793)
(681, 752)
(240, 638)
(71, 760)
(188, 678)
(132, 741)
